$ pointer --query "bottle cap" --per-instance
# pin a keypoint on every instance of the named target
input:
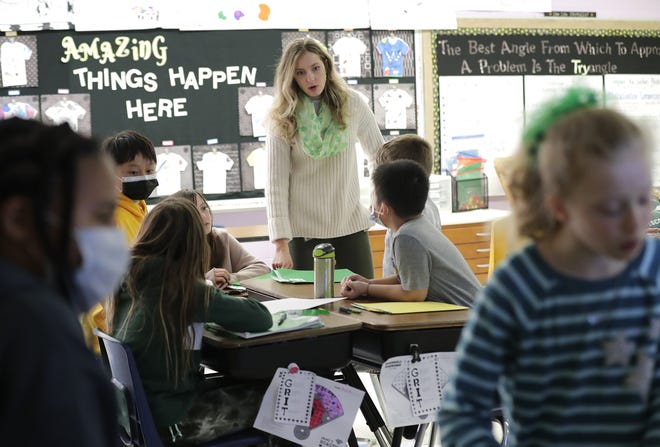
(324, 250)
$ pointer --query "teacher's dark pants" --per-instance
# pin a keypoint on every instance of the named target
(352, 252)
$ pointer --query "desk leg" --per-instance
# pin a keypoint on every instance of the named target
(352, 439)
(434, 434)
(369, 411)
(419, 438)
(398, 436)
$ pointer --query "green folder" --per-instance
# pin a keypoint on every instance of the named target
(302, 276)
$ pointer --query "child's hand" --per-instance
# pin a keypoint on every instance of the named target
(354, 289)
(354, 277)
(219, 277)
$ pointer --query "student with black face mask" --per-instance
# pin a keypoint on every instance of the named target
(135, 158)
(59, 253)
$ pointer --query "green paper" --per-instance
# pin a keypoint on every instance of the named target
(304, 276)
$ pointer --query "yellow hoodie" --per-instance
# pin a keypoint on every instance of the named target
(129, 215)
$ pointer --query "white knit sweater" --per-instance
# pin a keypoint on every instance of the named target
(319, 198)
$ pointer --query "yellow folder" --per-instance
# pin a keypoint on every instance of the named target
(408, 308)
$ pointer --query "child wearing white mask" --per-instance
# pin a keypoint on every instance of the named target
(56, 208)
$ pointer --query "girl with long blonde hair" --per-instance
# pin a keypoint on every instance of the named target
(312, 192)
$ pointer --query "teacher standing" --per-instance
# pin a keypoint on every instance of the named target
(312, 193)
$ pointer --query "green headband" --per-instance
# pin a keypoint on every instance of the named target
(575, 98)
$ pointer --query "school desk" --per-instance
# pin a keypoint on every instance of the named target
(259, 358)
(382, 336)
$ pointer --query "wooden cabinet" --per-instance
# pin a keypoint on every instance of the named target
(471, 239)
(377, 241)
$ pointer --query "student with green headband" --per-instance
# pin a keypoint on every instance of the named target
(565, 334)
(312, 192)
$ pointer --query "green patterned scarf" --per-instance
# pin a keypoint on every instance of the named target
(320, 135)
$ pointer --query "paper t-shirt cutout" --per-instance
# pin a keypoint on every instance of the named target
(169, 167)
(295, 397)
(257, 107)
(13, 56)
(392, 50)
(349, 49)
(257, 159)
(17, 109)
(395, 102)
(66, 111)
(215, 165)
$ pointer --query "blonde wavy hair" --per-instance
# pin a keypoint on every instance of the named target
(287, 93)
(553, 165)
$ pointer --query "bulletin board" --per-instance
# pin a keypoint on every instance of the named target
(202, 94)
(487, 81)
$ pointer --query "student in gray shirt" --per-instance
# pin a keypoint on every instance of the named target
(407, 147)
(427, 265)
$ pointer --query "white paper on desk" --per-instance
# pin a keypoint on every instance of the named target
(395, 398)
(336, 405)
(284, 304)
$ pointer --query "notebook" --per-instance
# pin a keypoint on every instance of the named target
(282, 322)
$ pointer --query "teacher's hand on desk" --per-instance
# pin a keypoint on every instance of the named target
(282, 258)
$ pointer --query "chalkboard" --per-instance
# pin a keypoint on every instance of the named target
(185, 82)
(486, 81)
(203, 90)
(178, 88)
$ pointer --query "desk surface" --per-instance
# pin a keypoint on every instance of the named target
(268, 288)
(332, 324)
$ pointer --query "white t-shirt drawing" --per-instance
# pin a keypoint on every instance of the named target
(257, 159)
(13, 56)
(395, 102)
(257, 107)
(349, 49)
(66, 111)
(215, 165)
(169, 167)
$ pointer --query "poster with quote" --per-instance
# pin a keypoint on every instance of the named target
(490, 81)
